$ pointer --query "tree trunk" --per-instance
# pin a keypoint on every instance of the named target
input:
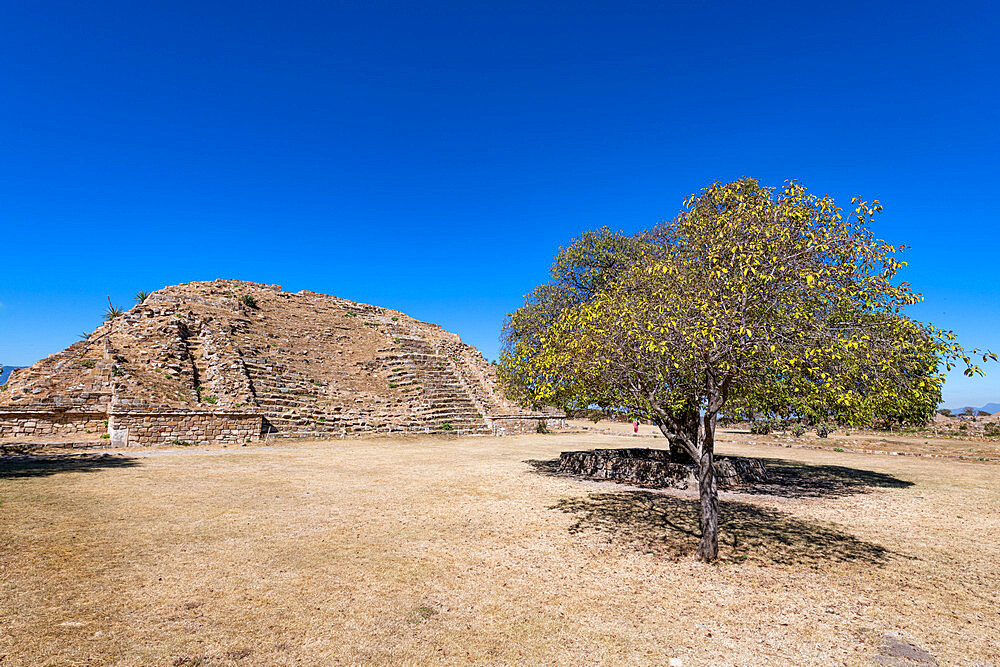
(708, 549)
(682, 436)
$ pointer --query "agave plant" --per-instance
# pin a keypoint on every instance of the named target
(140, 297)
(113, 311)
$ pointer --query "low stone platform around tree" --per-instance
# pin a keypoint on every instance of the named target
(653, 467)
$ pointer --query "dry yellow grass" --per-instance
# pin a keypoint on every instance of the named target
(884, 441)
(457, 550)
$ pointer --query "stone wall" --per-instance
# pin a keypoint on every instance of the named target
(518, 424)
(159, 426)
(653, 467)
(43, 421)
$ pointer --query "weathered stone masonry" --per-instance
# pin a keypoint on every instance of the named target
(229, 361)
(43, 421)
(165, 426)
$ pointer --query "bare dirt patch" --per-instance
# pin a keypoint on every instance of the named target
(422, 550)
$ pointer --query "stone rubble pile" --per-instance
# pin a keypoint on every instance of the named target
(231, 361)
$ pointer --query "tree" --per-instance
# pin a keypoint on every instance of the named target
(749, 297)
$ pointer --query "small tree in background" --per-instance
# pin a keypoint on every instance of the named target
(750, 297)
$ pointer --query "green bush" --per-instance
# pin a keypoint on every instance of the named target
(446, 426)
(249, 301)
(541, 427)
(760, 426)
(87, 363)
(798, 430)
(210, 399)
(824, 430)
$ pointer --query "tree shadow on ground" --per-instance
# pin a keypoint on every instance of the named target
(793, 479)
(785, 479)
(668, 526)
(42, 465)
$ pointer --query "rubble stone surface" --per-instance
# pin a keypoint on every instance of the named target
(234, 361)
(653, 467)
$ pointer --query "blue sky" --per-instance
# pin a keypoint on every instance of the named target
(432, 157)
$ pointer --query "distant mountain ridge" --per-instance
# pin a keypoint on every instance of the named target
(990, 408)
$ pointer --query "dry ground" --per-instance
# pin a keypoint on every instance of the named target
(470, 550)
(926, 442)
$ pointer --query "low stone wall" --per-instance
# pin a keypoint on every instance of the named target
(37, 422)
(515, 424)
(653, 467)
(159, 426)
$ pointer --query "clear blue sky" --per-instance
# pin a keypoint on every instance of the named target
(432, 157)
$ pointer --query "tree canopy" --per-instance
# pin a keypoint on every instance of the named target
(759, 299)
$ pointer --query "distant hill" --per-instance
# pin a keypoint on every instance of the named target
(989, 408)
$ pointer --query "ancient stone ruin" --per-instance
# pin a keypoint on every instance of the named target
(653, 467)
(232, 361)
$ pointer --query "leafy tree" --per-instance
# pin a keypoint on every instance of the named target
(753, 298)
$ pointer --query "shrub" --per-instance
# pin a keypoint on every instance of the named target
(106, 436)
(112, 311)
(838, 449)
(141, 297)
(798, 430)
(210, 399)
(824, 430)
(446, 426)
(87, 363)
(540, 428)
(118, 372)
(249, 301)
(392, 385)
(760, 426)
(394, 319)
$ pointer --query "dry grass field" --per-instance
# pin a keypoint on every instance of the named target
(926, 443)
(421, 550)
